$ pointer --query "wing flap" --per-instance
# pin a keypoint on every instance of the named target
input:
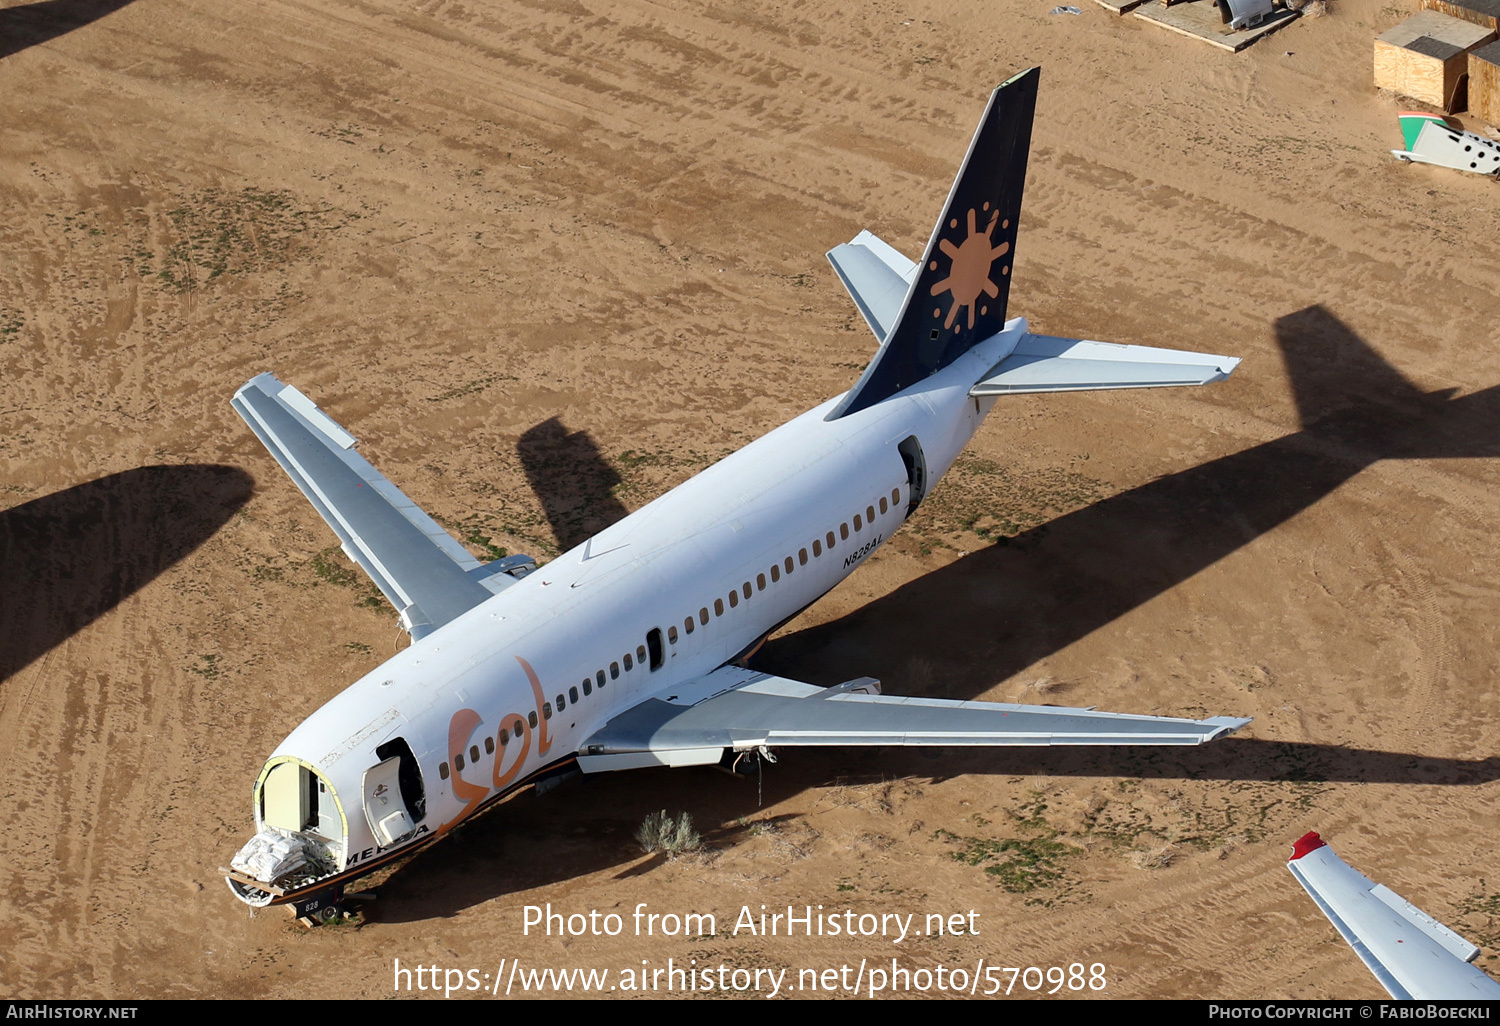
(422, 569)
(1411, 954)
(740, 709)
(1047, 363)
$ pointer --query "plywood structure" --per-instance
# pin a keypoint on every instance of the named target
(1484, 82)
(1426, 57)
(1201, 20)
(1479, 12)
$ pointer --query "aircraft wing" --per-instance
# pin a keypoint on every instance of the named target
(427, 575)
(741, 710)
(877, 277)
(1412, 955)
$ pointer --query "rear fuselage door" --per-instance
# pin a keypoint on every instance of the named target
(389, 819)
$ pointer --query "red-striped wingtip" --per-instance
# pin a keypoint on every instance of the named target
(1308, 842)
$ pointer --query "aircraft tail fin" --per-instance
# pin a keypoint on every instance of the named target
(962, 284)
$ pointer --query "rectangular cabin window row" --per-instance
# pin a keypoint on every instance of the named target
(785, 568)
(651, 653)
(648, 654)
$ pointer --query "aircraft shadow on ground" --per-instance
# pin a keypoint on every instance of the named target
(997, 611)
(588, 827)
(32, 24)
(572, 480)
(69, 557)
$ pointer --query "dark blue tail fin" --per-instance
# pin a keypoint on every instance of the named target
(963, 283)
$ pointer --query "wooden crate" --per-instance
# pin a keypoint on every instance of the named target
(1479, 12)
(1484, 83)
(1426, 57)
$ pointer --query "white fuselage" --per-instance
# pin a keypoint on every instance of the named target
(588, 615)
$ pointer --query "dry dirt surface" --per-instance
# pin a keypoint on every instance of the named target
(548, 259)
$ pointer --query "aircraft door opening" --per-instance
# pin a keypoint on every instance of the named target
(384, 808)
(916, 471)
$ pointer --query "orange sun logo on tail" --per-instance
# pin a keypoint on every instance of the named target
(969, 275)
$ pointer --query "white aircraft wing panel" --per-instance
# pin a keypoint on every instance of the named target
(420, 567)
(1046, 363)
(739, 709)
(877, 277)
(1412, 955)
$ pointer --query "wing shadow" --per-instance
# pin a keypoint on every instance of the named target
(573, 481)
(538, 842)
(69, 557)
(31, 24)
(995, 612)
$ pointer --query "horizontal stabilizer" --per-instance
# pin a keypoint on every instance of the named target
(1412, 954)
(422, 569)
(877, 277)
(1044, 363)
(739, 709)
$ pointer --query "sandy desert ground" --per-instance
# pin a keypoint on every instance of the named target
(548, 259)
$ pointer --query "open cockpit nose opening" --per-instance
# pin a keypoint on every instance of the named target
(301, 837)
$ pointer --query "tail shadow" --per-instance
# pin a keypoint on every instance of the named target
(31, 24)
(992, 614)
(69, 557)
(572, 480)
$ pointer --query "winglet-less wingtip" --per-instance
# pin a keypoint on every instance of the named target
(1227, 725)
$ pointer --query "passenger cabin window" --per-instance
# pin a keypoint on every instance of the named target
(671, 636)
(599, 678)
(489, 745)
(775, 574)
(869, 514)
(856, 521)
(572, 694)
(789, 561)
(614, 671)
(703, 616)
(895, 496)
(734, 599)
(653, 643)
(547, 710)
(831, 540)
(588, 688)
(531, 718)
(443, 771)
(801, 558)
(718, 607)
(628, 663)
(640, 653)
(561, 703)
(843, 533)
(818, 547)
(760, 583)
(883, 506)
(473, 753)
(688, 624)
